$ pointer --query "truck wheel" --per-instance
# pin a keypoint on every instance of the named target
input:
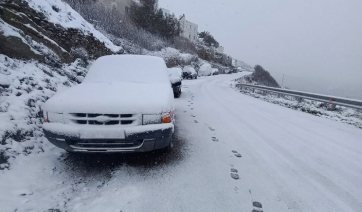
(178, 94)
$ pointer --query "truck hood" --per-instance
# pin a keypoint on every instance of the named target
(113, 98)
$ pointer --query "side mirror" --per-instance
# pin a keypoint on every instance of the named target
(80, 79)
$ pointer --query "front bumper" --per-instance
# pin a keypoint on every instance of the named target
(73, 138)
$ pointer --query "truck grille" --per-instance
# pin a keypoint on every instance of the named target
(105, 119)
(103, 144)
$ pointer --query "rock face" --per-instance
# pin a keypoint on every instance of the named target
(37, 33)
(261, 77)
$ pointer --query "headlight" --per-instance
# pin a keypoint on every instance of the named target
(152, 119)
(158, 118)
(167, 117)
(50, 117)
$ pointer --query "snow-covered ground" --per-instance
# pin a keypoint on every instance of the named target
(285, 159)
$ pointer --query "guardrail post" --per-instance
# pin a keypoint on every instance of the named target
(299, 99)
(332, 107)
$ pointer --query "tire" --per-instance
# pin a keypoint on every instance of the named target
(178, 94)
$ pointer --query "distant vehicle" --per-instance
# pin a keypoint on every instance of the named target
(205, 70)
(176, 80)
(215, 71)
(189, 73)
(124, 104)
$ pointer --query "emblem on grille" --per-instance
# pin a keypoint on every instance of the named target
(102, 119)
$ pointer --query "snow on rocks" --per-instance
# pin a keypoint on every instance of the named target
(24, 87)
(59, 12)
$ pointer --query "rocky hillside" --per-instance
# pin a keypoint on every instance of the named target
(260, 77)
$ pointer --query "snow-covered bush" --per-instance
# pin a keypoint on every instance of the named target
(79, 52)
(174, 58)
(24, 87)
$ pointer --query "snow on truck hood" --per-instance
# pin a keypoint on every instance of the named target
(128, 68)
(113, 98)
(118, 84)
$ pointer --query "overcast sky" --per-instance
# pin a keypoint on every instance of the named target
(317, 44)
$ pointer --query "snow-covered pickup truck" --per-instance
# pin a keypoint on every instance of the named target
(124, 104)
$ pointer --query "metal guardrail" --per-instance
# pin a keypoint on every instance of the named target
(333, 100)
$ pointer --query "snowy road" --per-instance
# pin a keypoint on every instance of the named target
(290, 161)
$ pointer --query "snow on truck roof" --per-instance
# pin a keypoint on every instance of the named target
(128, 68)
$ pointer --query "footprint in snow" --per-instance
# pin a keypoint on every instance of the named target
(236, 153)
(215, 139)
(234, 170)
(257, 207)
(196, 121)
(234, 176)
(257, 204)
(210, 128)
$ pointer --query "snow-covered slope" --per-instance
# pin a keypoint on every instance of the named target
(24, 87)
(58, 12)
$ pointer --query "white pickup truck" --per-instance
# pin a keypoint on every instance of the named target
(124, 104)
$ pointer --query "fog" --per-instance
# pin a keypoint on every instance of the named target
(317, 45)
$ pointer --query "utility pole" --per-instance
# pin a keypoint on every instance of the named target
(283, 81)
